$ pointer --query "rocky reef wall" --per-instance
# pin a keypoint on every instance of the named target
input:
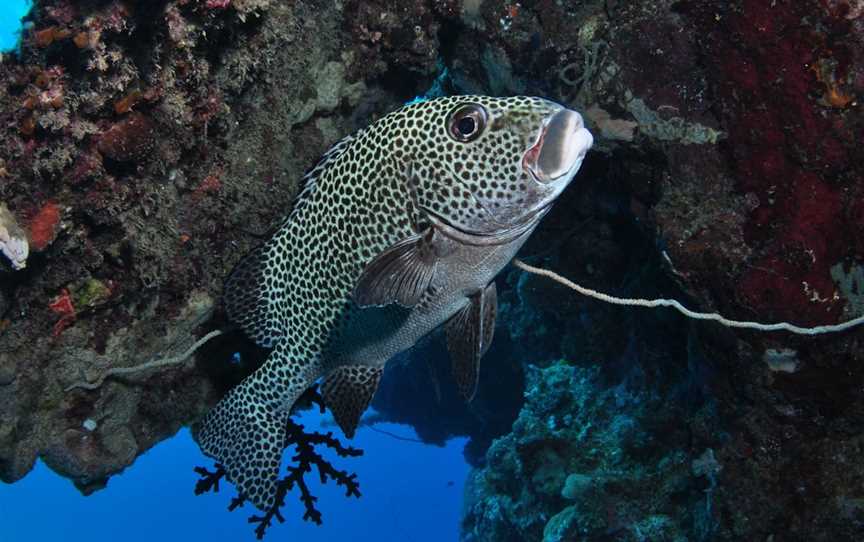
(146, 147)
(731, 133)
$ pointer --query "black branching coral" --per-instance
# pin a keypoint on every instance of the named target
(305, 459)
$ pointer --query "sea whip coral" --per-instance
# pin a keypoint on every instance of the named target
(13, 240)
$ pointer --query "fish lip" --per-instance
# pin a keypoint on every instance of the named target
(457, 233)
(532, 154)
(552, 180)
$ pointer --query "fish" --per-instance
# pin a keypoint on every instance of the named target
(399, 229)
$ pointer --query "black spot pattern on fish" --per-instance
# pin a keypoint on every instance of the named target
(367, 193)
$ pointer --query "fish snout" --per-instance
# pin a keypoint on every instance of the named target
(560, 148)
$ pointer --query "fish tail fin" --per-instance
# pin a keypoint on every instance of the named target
(247, 441)
(246, 431)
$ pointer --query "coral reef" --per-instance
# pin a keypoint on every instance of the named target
(730, 170)
(583, 463)
(151, 144)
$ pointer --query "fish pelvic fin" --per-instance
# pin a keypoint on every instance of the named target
(347, 392)
(246, 431)
(469, 335)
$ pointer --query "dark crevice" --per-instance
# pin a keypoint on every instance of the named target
(149, 17)
(403, 83)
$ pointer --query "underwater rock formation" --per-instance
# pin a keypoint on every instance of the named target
(147, 145)
(730, 139)
(585, 462)
(152, 143)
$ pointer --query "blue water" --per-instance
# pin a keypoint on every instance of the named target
(411, 493)
(11, 12)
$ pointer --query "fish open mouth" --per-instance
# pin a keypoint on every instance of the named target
(499, 237)
(561, 145)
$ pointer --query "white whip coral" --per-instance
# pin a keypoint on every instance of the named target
(13, 240)
(781, 326)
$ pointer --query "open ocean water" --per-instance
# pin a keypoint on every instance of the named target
(11, 12)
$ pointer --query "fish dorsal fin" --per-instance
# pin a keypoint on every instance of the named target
(310, 179)
(251, 300)
(469, 334)
(401, 274)
(247, 301)
(347, 391)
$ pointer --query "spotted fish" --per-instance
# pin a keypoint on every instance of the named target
(399, 229)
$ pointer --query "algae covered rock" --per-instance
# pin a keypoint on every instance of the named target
(563, 526)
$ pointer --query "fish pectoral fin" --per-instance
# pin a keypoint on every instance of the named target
(469, 334)
(401, 274)
(347, 392)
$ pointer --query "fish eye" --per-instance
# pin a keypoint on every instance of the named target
(467, 122)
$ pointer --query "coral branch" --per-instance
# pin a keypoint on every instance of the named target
(265, 521)
(651, 303)
(305, 458)
(209, 480)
